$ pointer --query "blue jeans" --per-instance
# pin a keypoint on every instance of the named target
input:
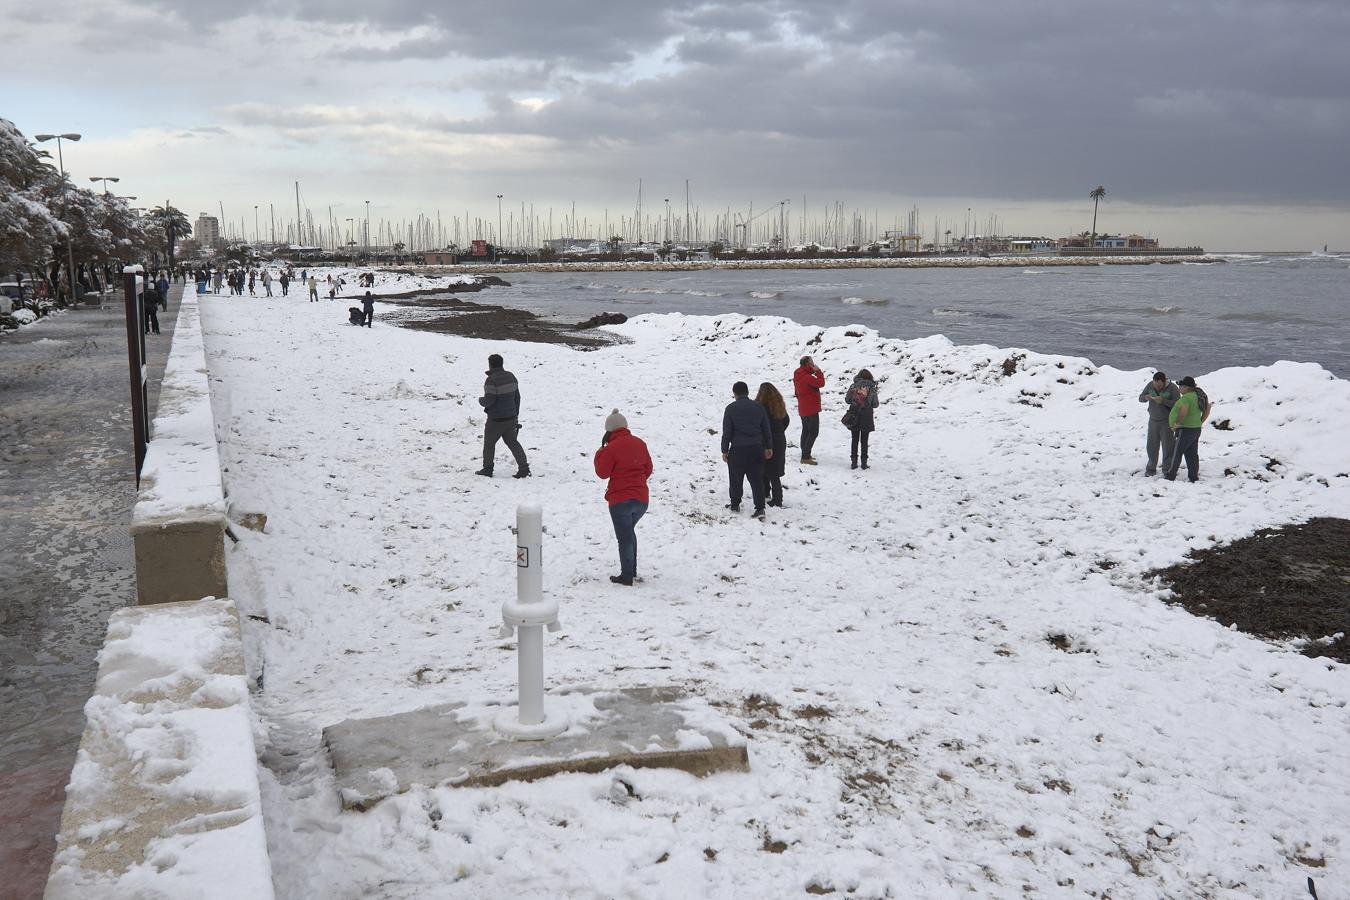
(1187, 448)
(626, 516)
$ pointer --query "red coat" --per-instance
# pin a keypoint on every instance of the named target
(806, 384)
(627, 465)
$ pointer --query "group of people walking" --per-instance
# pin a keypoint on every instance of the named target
(1176, 416)
(753, 444)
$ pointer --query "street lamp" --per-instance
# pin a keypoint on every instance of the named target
(782, 224)
(255, 224)
(667, 224)
(497, 243)
(366, 238)
(61, 161)
(105, 180)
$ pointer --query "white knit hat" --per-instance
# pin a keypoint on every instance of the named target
(615, 421)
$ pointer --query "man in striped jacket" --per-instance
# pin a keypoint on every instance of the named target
(501, 402)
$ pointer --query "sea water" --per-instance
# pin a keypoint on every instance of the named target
(1250, 309)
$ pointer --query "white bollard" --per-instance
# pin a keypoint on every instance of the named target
(527, 616)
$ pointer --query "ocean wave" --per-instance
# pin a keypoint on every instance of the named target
(690, 292)
(1188, 263)
(868, 301)
(949, 312)
(764, 295)
(1264, 317)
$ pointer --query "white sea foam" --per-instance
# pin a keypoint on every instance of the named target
(865, 301)
(765, 295)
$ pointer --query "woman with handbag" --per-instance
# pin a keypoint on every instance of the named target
(860, 419)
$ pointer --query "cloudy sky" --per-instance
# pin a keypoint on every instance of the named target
(1220, 123)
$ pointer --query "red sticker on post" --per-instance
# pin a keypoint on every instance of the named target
(522, 557)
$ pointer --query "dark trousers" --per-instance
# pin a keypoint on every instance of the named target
(742, 463)
(151, 319)
(810, 431)
(859, 438)
(1159, 434)
(367, 317)
(773, 489)
(504, 430)
(625, 516)
(1188, 448)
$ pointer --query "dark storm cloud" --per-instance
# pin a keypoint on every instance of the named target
(1216, 101)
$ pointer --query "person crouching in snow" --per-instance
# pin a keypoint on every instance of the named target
(623, 459)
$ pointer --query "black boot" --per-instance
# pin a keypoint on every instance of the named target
(853, 464)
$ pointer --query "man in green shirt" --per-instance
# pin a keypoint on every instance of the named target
(1186, 420)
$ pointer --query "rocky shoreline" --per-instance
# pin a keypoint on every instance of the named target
(918, 262)
(430, 310)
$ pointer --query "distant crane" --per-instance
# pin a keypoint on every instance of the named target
(744, 224)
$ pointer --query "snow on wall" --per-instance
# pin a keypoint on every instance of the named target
(180, 481)
(163, 800)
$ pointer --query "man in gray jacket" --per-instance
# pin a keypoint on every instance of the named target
(501, 402)
(1160, 394)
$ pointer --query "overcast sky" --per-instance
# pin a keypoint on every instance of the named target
(1220, 123)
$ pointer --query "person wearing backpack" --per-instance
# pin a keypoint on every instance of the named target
(860, 418)
(1160, 395)
(1186, 420)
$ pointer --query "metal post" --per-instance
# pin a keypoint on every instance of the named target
(140, 420)
(527, 616)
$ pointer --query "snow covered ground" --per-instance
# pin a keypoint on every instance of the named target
(954, 677)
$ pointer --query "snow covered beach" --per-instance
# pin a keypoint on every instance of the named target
(953, 673)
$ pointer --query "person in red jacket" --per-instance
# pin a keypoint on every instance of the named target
(623, 459)
(806, 384)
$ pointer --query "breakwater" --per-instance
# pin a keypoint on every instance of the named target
(907, 262)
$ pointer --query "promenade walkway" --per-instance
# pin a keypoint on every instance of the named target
(67, 485)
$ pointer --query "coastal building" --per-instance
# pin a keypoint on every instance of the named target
(207, 231)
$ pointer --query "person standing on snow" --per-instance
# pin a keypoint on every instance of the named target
(163, 286)
(313, 289)
(860, 418)
(747, 441)
(806, 384)
(367, 310)
(624, 460)
(1187, 419)
(1160, 395)
(267, 281)
(772, 401)
(501, 402)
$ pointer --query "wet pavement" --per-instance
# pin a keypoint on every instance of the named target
(67, 485)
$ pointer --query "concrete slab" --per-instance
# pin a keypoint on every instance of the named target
(451, 744)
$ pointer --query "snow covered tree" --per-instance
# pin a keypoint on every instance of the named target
(28, 227)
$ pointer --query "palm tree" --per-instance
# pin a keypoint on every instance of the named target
(174, 223)
(1096, 194)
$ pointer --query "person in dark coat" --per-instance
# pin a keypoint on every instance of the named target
(772, 401)
(501, 402)
(163, 285)
(151, 302)
(368, 309)
(747, 441)
(624, 460)
(862, 401)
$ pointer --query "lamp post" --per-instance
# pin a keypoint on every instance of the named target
(366, 239)
(105, 180)
(498, 242)
(255, 225)
(61, 161)
(782, 224)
